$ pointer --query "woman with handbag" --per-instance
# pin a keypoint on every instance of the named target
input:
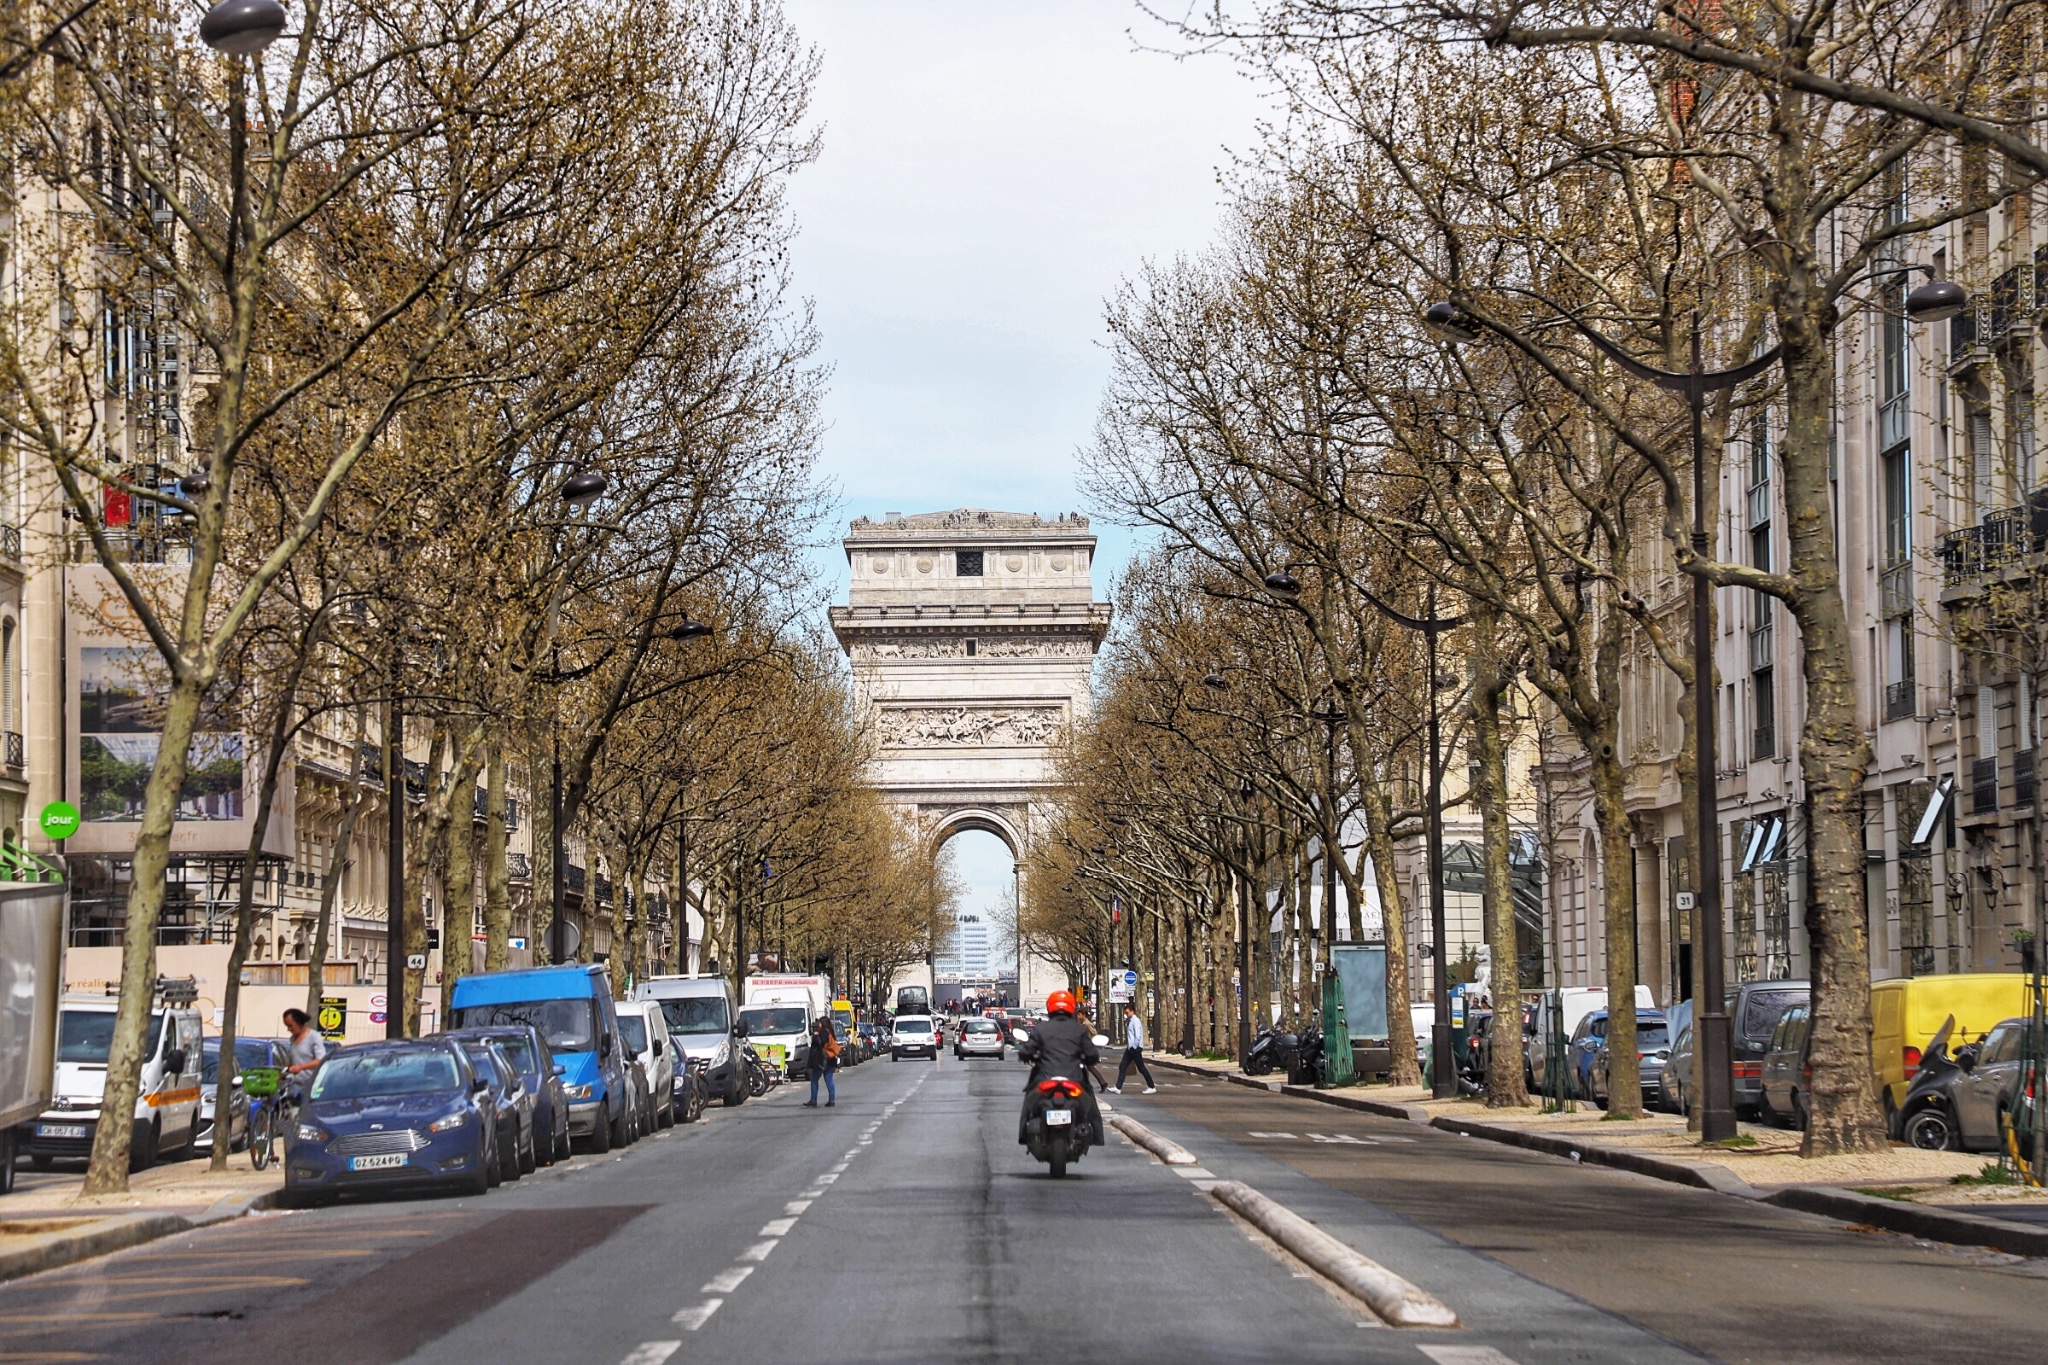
(824, 1061)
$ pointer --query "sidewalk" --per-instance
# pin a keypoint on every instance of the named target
(1901, 1188)
(47, 1222)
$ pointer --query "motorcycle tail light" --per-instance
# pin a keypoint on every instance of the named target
(1911, 1057)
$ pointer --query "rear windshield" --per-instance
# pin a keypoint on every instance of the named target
(913, 1026)
(773, 1020)
(568, 1025)
(363, 1075)
(1652, 1035)
(695, 1014)
(518, 1051)
(1760, 1013)
(486, 1065)
(633, 1029)
(248, 1052)
(981, 1026)
(85, 1035)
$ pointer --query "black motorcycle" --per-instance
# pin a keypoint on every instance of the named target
(1927, 1119)
(1272, 1051)
(1309, 1066)
(1060, 1122)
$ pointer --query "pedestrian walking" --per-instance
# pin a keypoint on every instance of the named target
(1134, 1053)
(1088, 1021)
(824, 1061)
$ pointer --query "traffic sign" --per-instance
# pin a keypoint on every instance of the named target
(59, 820)
(376, 1016)
(1123, 986)
(333, 1019)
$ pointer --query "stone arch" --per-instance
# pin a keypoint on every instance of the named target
(988, 820)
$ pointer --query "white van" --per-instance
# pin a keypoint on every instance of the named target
(1568, 1006)
(698, 1010)
(781, 1034)
(167, 1104)
(645, 1029)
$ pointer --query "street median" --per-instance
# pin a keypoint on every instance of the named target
(1166, 1149)
(1395, 1300)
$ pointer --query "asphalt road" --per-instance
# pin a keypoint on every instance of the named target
(906, 1225)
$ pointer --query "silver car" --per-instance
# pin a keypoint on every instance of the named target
(978, 1038)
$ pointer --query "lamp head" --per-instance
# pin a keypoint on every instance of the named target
(1935, 300)
(690, 630)
(1448, 322)
(1282, 584)
(242, 28)
(583, 487)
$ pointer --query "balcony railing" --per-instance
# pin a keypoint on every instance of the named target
(518, 867)
(1984, 786)
(1901, 700)
(1895, 591)
(10, 542)
(2001, 539)
(575, 879)
(17, 751)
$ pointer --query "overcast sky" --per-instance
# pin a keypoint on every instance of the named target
(991, 170)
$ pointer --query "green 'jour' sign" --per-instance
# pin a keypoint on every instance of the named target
(59, 820)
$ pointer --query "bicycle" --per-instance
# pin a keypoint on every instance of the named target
(268, 1102)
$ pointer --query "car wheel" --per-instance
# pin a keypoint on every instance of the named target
(622, 1128)
(735, 1094)
(480, 1182)
(494, 1166)
(1930, 1130)
(509, 1168)
(563, 1150)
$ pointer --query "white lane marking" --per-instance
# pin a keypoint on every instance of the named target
(653, 1352)
(852, 1154)
(777, 1227)
(1341, 1137)
(1465, 1355)
(758, 1252)
(1192, 1172)
(690, 1319)
(725, 1281)
(840, 1169)
(1289, 1136)
(796, 1206)
(809, 1195)
(826, 1179)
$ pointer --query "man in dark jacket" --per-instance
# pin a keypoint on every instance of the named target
(1062, 1046)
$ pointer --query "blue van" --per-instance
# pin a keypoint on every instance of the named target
(572, 1007)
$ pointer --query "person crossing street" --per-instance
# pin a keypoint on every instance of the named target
(1134, 1052)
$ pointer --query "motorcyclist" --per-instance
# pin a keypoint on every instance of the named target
(1062, 1046)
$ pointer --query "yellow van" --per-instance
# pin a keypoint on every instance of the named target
(1905, 1012)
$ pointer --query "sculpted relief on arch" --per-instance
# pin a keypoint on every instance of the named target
(924, 727)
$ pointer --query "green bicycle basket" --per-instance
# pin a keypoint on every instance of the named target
(261, 1082)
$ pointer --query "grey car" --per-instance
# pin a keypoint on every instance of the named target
(1787, 1074)
(979, 1038)
(1753, 1017)
(1653, 1050)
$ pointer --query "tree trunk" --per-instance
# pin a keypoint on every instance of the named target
(1394, 930)
(1504, 1082)
(458, 884)
(108, 1171)
(497, 875)
(1610, 814)
(330, 891)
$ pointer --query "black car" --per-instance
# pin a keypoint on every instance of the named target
(527, 1050)
(1752, 1017)
(512, 1104)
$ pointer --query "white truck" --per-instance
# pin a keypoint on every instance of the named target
(777, 1014)
(32, 917)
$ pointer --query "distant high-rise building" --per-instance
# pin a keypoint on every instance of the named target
(965, 956)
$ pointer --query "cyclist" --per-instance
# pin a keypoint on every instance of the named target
(309, 1049)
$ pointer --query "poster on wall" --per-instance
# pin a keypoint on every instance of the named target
(119, 693)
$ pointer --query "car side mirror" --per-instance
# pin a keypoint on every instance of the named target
(657, 1047)
(561, 1070)
(604, 1048)
(479, 1085)
(1967, 1060)
(174, 1060)
(739, 1030)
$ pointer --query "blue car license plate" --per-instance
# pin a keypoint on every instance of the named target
(375, 1163)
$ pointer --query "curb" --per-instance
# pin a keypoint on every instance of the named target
(52, 1250)
(1414, 1113)
(1701, 1175)
(1916, 1220)
(1167, 1150)
(1394, 1299)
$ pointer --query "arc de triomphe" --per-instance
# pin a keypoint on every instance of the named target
(973, 635)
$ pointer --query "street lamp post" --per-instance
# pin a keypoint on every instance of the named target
(577, 492)
(1930, 302)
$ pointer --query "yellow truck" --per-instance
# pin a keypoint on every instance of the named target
(1905, 1012)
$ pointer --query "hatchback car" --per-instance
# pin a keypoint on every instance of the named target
(1787, 1074)
(249, 1052)
(541, 1074)
(1653, 1050)
(979, 1038)
(514, 1106)
(396, 1115)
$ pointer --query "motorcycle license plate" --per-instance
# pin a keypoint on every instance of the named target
(376, 1163)
(60, 1130)
(1058, 1118)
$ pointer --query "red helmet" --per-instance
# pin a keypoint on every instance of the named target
(1060, 1002)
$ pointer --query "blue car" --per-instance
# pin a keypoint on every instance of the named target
(572, 1007)
(541, 1074)
(397, 1115)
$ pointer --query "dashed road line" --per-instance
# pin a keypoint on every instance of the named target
(777, 1227)
(758, 1252)
(693, 1319)
(725, 1281)
(652, 1352)
(1465, 1355)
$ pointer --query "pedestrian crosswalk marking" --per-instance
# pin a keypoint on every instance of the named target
(653, 1352)
(725, 1281)
(1288, 1136)
(1340, 1137)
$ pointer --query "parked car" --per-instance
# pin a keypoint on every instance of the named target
(979, 1038)
(571, 1005)
(1677, 1020)
(868, 1038)
(256, 1052)
(1905, 1013)
(1566, 1009)
(1956, 1102)
(645, 1029)
(394, 1115)
(512, 1108)
(700, 1019)
(166, 1116)
(913, 1036)
(1787, 1075)
(541, 1074)
(1675, 1080)
(1752, 1018)
(1653, 1049)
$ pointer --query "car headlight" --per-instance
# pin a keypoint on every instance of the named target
(312, 1132)
(450, 1123)
(579, 1092)
(723, 1055)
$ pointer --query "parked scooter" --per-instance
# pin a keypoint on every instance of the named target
(1308, 1066)
(761, 1077)
(1272, 1051)
(1927, 1119)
